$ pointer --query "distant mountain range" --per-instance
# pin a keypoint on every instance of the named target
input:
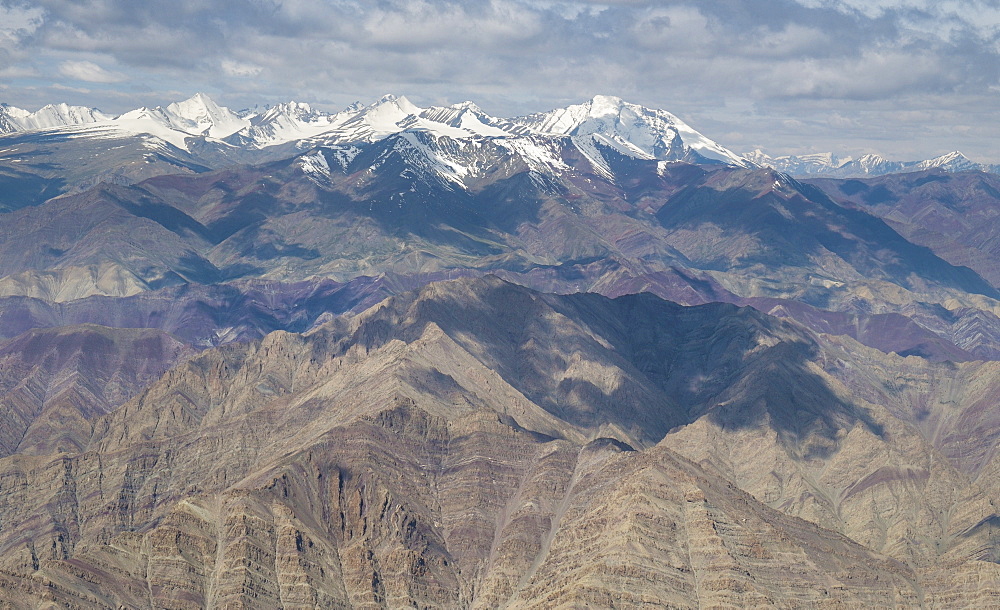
(630, 129)
(829, 165)
(199, 125)
(604, 196)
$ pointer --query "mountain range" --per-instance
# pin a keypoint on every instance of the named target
(196, 122)
(632, 129)
(829, 165)
(425, 357)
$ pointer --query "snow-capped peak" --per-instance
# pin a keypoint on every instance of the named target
(602, 105)
(953, 162)
(48, 117)
(632, 129)
(602, 123)
(471, 119)
(802, 165)
(952, 156)
(467, 105)
(407, 106)
(199, 115)
(391, 115)
(297, 109)
(372, 122)
(386, 115)
(759, 157)
(281, 123)
(872, 159)
(870, 164)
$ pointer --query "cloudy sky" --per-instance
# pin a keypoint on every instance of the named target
(905, 78)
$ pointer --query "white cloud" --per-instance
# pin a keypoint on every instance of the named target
(89, 71)
(18, 72)
(235, 68)
(18, 21)
(422, 23)
(839, 121)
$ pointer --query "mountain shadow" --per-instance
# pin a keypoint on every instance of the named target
(793, 223)
(23, 189)
(636, 363)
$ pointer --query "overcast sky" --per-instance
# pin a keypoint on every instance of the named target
(908, 79)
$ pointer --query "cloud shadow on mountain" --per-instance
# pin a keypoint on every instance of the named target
(637, 362)
(801, 223)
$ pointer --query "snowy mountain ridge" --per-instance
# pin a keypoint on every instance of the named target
(14, 119)
(600, 126)
(832, 166)
(602, 123)
(633, 129)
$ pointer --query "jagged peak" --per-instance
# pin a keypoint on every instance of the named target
(607, 120)
(633, 129)
(293, 105)
(407, 106)
(467, 105)
(953, 155)
(400, 102)
(869, 160)
(294, 109)
(758, 156)
(197, 102)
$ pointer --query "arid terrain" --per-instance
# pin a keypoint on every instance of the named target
(586, 358)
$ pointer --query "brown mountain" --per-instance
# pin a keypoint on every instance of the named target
(247, 387)
(478, 444)
(954, 214)
(685, 232)
(205, 315)
(55, 382)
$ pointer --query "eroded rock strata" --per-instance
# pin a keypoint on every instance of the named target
(475, 444)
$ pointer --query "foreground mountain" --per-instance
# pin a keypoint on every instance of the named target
(54, 382)
(477, 444)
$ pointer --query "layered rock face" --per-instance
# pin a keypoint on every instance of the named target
(54, 382)
(475, 444)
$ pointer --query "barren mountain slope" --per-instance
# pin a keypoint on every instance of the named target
(691, 233)
(956, 215)
(54, 382)
(204, 315)
(476, 444)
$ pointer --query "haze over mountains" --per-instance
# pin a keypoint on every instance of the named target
(827, 164)
(400, 356)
